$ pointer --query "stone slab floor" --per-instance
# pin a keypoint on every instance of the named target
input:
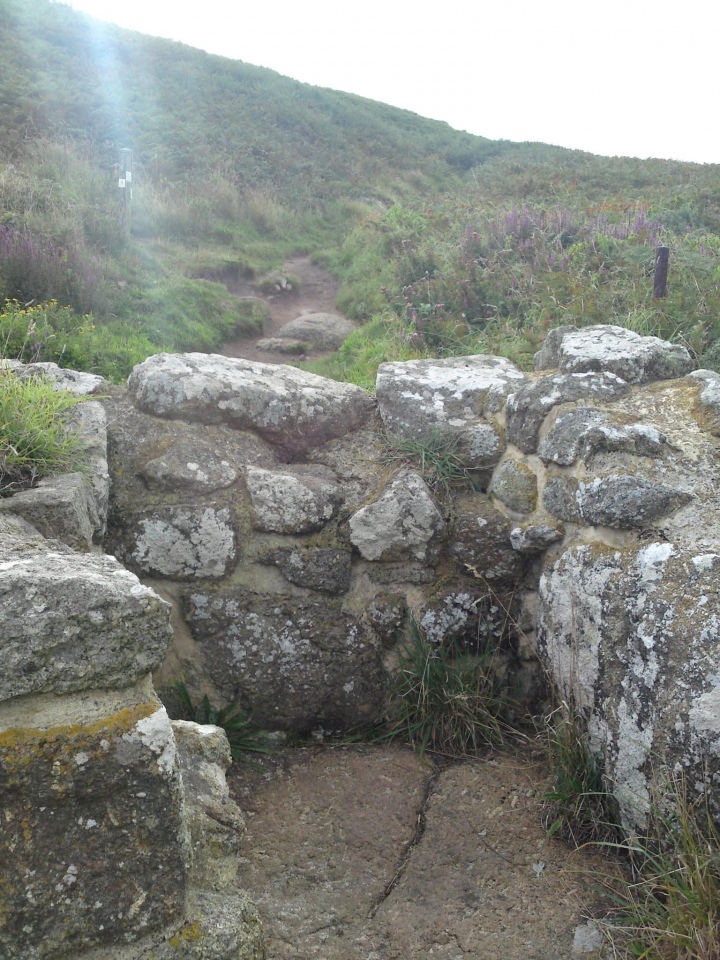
(370, 853)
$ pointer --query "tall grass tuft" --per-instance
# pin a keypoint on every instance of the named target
(447, 701)
(34, 441)
(670, 908)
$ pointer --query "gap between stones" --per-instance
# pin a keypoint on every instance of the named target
(414, 841)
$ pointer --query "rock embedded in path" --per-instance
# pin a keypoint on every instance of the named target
(290, 408)
(610, 349)
(324, 331)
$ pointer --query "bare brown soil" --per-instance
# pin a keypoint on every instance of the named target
(370, 853)
(315, 292)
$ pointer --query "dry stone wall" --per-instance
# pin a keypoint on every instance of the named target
(292, 534)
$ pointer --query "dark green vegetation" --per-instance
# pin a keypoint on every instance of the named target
(243, 736)
(34, 440)
(445, 243)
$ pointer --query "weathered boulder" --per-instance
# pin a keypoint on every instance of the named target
(627, 502)
(480, 542)
(295, 664)
(61, 508)
(535, 537)
(294, 500)
(448, 400)
(634, 358)
(288, 407)
(315, 568)
(71, 622)
(632, 638)
(403, 522)
(326, 331)
(528, 407)
(515, 485)
(622, 501)
(199, 468)
(77, 382)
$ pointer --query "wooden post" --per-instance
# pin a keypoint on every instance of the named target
(125, 185)
(662, 258)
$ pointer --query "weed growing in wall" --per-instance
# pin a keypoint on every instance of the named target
(34, 440)
(244, 738)
(447, 701)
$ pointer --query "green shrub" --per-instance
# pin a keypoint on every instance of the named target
(34, 440)
(435, 457)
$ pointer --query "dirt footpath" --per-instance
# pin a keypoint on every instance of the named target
(316, 292)
(369, 853)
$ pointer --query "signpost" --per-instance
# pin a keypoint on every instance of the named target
(125, 185)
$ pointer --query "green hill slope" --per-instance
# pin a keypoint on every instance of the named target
(444, 242)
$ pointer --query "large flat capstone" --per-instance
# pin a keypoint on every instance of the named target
(71, 622)
(604, 347)
(446, 399)
(288, 407)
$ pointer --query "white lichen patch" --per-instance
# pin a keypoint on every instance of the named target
(155, 733)
(186, 543)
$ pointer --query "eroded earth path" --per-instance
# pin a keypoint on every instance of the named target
(315, 292)
(370, 853)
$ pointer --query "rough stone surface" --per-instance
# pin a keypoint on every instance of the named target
(93, 842)
(450, 399)
(386, 615)
(627, 502)
(627, 354)
(288, 407)
(61, 508)
(295, 664)
(403, 522)
(71, 622)
(561, 498)
(535, 537)
(215, 822)
(709, 396)
(184, 543)
(81, 384)
(515, 484)
(528, 407)
(480, 538)
(315, 568)
(205, 472)
(324, 330)
(294, 500)
(632, 635)
(281, 345)
(362, 853)
(580, 434)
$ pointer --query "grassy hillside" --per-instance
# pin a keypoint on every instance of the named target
(444, 242)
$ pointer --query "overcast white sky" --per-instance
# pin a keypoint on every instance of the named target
(630, 77)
